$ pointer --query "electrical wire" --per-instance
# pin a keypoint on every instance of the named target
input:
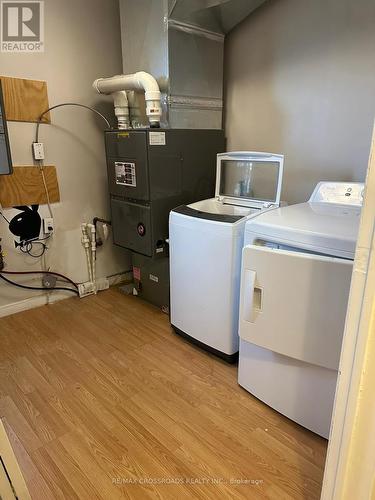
(62, 276)
(40, 163)
(68, 104)
(41, 167)
(3, 216)
(10, 282)
(40, 254)
(27, 246)
(46, 238)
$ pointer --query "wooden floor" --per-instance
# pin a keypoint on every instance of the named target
(102, 401)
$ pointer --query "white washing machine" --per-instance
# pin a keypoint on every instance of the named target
(206, 240)
(295, 281)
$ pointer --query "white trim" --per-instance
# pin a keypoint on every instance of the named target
(12, 467)
(350, 463)
(31, 303)
(48, 298)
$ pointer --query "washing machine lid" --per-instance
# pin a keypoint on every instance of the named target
(249, 178)
(325, 228)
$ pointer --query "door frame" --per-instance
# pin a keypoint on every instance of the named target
(12, 482)
(350, 464)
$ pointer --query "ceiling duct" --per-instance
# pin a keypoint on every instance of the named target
(181, 43)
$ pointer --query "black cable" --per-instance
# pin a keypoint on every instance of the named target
(104, 221)
(3, 216)
(60, 277)
(28, 246)
(25, 248)
(43, 251)
(44, 239)
(38, 288)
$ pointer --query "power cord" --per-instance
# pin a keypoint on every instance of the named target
(58, 275)
(3, 216)
(37, 288)
(28, 247)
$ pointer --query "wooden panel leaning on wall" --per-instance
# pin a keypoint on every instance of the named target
(25, 187)
(25, 100)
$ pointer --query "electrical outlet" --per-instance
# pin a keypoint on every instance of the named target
(48, 225)
(38, 151)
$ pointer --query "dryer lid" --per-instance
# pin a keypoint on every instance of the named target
(249, 178)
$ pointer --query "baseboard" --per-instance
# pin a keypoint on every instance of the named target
(42, 300)
(30, 303)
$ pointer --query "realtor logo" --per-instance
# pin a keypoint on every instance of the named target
(22, 26)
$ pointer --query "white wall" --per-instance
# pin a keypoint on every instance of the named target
(300, 80)
(82, 42)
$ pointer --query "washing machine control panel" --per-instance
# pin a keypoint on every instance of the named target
(345, 193)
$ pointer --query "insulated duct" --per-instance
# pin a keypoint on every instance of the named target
(181, 43)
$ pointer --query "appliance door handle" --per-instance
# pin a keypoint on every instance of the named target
(248, 294)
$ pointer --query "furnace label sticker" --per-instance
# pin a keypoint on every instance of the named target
(137, 273)
(157, 138)
(125, 174)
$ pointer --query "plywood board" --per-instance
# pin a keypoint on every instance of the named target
(25, 100)
(25, 187)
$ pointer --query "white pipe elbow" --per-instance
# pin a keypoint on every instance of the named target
(147, 82)
(152, 96)
(137, 81)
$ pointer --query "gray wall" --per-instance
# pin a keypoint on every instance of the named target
(300, 80)
(82, 42)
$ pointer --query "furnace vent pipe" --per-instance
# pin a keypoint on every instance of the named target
(138, 81)
(120, 101)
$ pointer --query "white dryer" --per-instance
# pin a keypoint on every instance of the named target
(295, 281)
(206, 240)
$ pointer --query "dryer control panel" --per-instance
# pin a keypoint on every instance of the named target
(341, 193)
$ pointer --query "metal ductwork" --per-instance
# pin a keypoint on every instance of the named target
(181, 43)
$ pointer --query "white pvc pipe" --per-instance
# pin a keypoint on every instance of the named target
(137, 81)
(92, 230)
(120, 100)
(136, 115)
(86, 244)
